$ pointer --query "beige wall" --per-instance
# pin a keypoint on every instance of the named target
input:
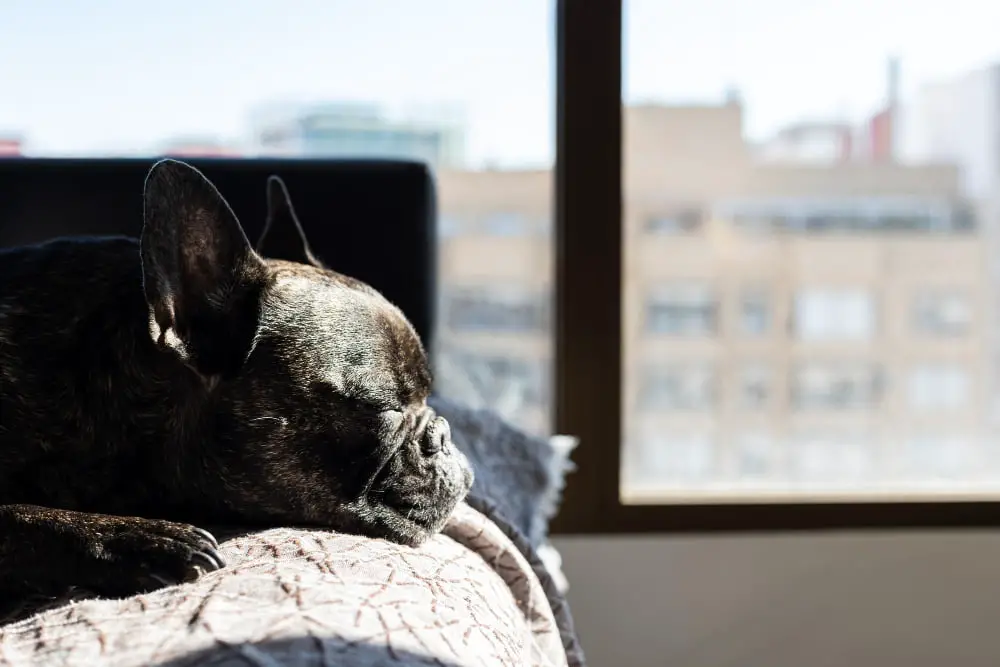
(923, 599)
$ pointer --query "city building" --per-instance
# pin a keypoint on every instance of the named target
(195, 147)
(957, 120)
(817, 142)
(354, 130)
(784, 323)
(10, 145)
(826, 142)
(494, 341)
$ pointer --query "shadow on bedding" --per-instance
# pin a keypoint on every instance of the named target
(307, 651)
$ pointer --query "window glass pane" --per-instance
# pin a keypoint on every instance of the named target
(835, 385)
(755, 459)
(678, 387)
(326, 79)
(755, 312)
(938, 386)
(496, 309)
(942, 457)
(755, 386)
(939, 313)
(675, 221)
(829, 314)
(682, 458)
(841, 284)
(681, 310)
(826, 459)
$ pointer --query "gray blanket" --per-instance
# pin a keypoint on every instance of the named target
(520, 473)
(476, 595)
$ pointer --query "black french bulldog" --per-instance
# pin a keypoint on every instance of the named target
(185, 378)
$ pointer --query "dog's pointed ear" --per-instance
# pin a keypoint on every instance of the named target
(283, 237)
(203, 282)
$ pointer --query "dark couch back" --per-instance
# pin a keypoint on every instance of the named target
(374, 220)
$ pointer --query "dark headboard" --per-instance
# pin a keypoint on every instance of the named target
(374, 220)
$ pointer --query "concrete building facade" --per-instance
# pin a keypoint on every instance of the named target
(788, 326)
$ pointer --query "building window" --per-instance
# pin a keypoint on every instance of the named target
(942, 314)
(755, 312)
(831, 458)
(938, 386)
(507, 224)
(507, 384)
(682, 310)
(963, 219)
(858, 215)
(755, 386)
(682, 221)
(678, 387)
(907, 222)
(836, 386)
(932, 457)
(681, 458)
(757, 457)
(496, 310)
(752, 223)
(835, 314)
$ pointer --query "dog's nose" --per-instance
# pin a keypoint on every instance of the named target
(437, 434)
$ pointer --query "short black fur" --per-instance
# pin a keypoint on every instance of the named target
(186, 379)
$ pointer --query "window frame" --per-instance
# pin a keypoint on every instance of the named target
(588, 382)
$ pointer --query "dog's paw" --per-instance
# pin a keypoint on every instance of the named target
(140, 555)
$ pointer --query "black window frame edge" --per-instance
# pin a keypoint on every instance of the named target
(588, 382)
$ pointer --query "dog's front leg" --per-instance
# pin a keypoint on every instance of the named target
(43, 549)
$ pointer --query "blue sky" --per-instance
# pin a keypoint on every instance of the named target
(120, 75)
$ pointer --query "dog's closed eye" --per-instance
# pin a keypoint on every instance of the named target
(279, 421)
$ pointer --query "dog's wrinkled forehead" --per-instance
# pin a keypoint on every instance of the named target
(337, 330)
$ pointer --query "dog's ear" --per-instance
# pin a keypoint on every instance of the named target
(283, 237)
(203, 282)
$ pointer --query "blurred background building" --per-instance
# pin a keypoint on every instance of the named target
(200, 147)
(802, 320)
(957, 121)
(10, 145)
(356, 130)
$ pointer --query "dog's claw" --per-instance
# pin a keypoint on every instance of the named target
(208, 537)
(208, 560)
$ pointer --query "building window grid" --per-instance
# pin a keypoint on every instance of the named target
(861, 214)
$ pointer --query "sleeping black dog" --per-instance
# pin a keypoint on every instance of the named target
(185, 378)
